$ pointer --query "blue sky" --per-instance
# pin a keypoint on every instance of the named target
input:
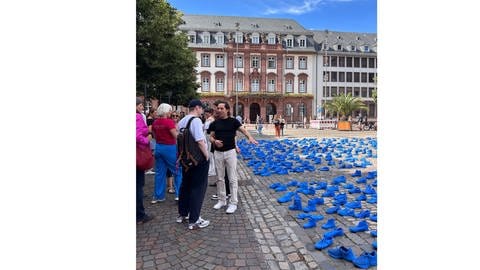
(334, 15)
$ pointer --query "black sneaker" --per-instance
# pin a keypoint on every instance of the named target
(145, 219)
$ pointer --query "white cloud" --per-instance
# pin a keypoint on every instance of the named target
(292, 7)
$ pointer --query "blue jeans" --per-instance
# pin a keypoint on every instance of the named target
(192, 191)
(165, 158)
(140, 184)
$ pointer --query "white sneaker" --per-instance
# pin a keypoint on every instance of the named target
(150, 172)
(201, 223)
(231, 209)
(219, 205)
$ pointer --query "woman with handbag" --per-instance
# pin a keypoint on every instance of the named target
(143, 161)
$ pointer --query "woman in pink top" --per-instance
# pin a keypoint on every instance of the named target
(142, 132)
(165, 134)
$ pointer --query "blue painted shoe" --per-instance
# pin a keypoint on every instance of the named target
(348, 186)
(332, 210)
(374, 244)
(374, 183)
(329, 224)
(318, 201)
(373, 217)
(342, 253)
(275, 185)
(324, 169)
(361, 197)
(334, 233)
(366, 260)
(354, 190)
(357, 173)
(373, 233)
(321, 185)
(363, 214)
(297, 203)
(369, 190)
(346, 212)
(303, 216)
(286, 197)
(323, 243)
(311, 206)
(339, 179)
(310, 223)
(281, 188)
(292, 183)
(372, 200)
(361, 180)
(328, 194)
(332, 188)
(361, 227)
(354, 205)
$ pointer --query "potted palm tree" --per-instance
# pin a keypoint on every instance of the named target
(344, 105)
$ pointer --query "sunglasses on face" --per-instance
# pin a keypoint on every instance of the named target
(174, 116)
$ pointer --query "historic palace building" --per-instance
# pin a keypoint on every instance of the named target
(275, 66)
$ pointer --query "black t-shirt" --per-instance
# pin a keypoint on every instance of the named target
(225, 130)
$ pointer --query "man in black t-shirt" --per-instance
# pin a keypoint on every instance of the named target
(222, 134)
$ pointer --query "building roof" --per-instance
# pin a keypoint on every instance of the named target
(346, 39)
(246, 24)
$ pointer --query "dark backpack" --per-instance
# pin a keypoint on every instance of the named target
(189, 153)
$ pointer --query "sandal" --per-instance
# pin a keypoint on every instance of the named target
(171, 190)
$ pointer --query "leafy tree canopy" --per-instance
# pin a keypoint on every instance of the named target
(164, 62)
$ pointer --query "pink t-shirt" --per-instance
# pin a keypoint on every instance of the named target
(161, 130)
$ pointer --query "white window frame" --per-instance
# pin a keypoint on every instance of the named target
(255, 61)
(206, 38)
(271, 85)
(302, 86)
(239, 61)
(255, 85)
(239, 84)
(220, 39)
(255, 38)
(205, 60)
(302, 62)
(220, 85)
(289, 42)
(289, 86)
(271, 39)
(290, 62)
(205, 84)
(302, 43)
(219, 60)
(239, 37)
(273, 60)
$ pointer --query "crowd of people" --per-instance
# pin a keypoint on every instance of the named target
(214, 131)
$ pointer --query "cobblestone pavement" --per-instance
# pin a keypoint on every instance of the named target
(261, 234)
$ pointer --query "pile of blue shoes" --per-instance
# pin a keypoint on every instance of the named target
(364, 261)
(282, 157)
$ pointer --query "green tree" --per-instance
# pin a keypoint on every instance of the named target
(164, 62)
(344, 105)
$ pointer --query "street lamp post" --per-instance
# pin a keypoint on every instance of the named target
(236, 69)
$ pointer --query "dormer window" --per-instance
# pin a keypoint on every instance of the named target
(339, 47)
(239, 37)
(366, 48)
(289, 41)
(302, 42)
(352, 48)
(271, 39)
(192, 36)
(206, 38)
(255, 38)
(220, 38)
